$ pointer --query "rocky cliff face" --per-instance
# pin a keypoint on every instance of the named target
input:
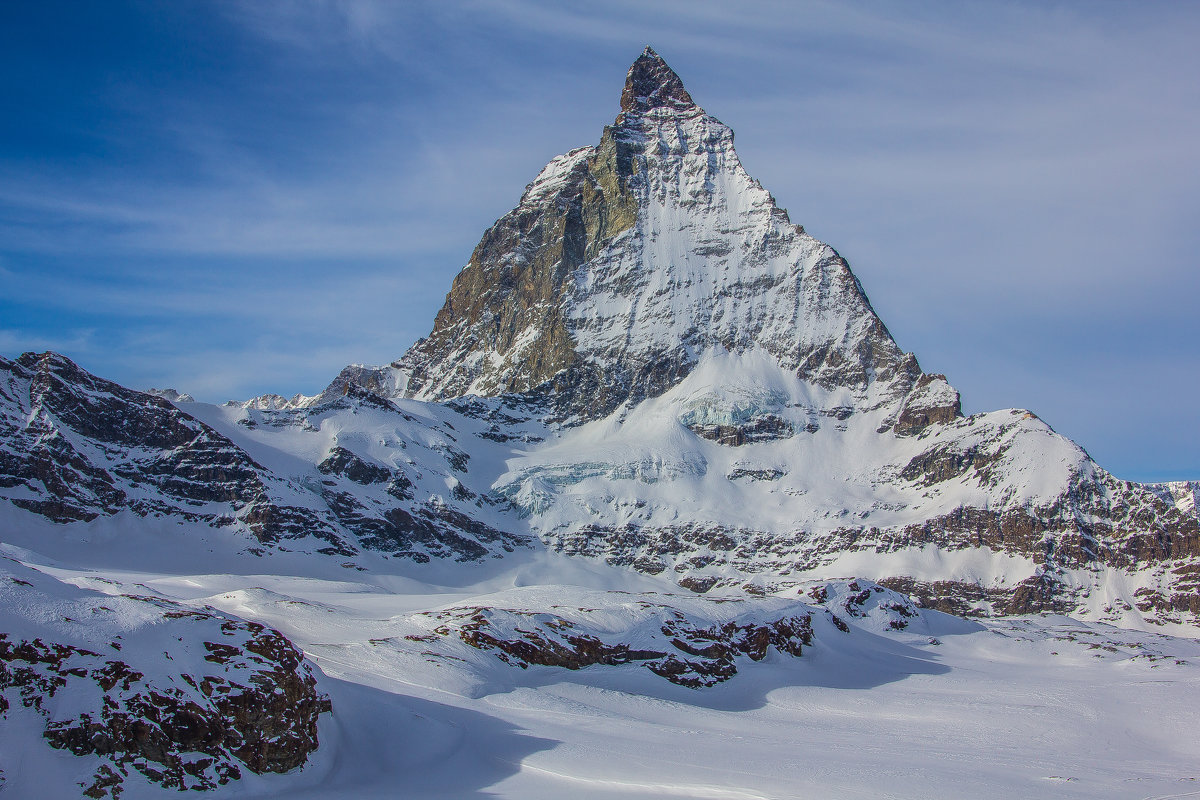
(626, 262)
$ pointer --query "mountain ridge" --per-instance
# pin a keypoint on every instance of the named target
(646, 362)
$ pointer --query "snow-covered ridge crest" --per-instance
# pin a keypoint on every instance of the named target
(384, 381)
(77, 448)
(556, 175)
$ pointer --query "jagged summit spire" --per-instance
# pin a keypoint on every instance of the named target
(627, 262)
(652, 84)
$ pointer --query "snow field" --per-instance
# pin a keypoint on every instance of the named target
(1033, 707)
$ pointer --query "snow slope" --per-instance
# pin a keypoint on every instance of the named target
(133, 688)
(1042, 706)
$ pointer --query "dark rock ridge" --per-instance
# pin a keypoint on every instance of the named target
(652, 84)
(683, 645)
(74, 447)
(1061, 541)
(696, 657)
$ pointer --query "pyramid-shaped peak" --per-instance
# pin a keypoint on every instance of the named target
(626, 263)
(652, 84)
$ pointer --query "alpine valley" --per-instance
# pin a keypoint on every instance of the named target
(658, 508)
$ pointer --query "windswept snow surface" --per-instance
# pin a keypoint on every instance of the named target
(1038, 707)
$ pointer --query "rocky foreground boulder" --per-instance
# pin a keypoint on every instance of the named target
(188, 699)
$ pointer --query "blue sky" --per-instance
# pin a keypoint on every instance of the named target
(237, 198)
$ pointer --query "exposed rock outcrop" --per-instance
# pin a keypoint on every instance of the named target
(184, 698)
(690, 642)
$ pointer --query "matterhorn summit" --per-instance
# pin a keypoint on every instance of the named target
(628, 263)
(735, 410)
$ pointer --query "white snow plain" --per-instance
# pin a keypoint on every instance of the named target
(1037, 707)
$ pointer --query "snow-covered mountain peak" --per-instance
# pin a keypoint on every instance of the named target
(627, 263)
(650, 83)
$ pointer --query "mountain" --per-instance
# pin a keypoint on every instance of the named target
(650, 288)
(648, 363)
(626, 263)
(658, 460)
(74, 447)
